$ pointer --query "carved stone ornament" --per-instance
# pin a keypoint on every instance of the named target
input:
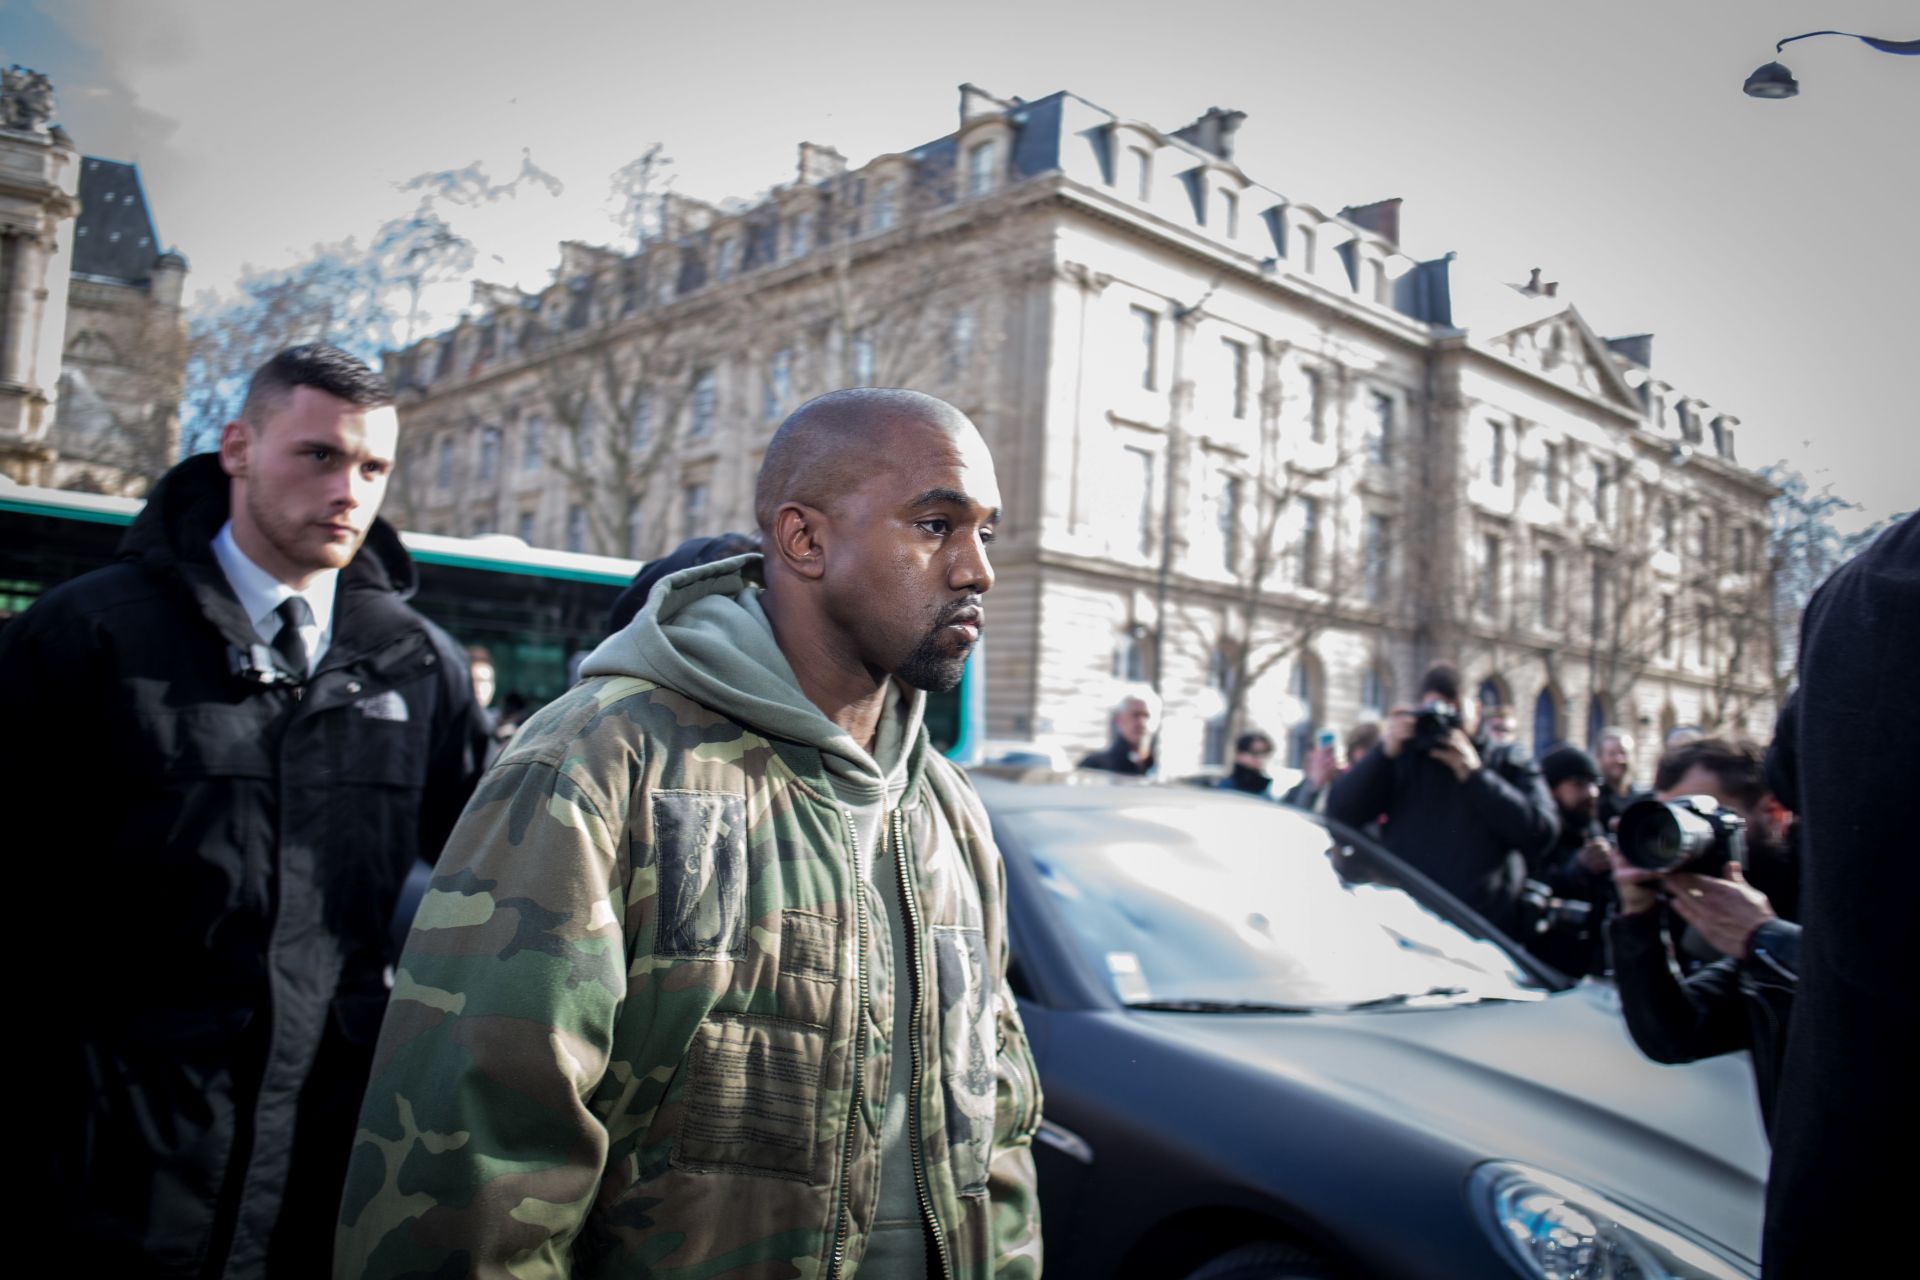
(26, 99)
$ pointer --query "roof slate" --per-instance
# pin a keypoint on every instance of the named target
(114, 236)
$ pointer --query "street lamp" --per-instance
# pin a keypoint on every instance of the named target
(1774, 81)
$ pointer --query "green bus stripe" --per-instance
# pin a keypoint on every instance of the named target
(515, 567)
(64, 513)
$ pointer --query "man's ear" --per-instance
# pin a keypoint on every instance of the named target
(798, 539)
(235, 439)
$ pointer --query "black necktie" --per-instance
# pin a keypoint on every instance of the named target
(288, 647)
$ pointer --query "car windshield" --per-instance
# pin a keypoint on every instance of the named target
(1251, 907)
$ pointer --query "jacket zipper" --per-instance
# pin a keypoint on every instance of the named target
(843, 1216)
(914, 934)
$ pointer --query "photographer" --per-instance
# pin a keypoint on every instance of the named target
(1577, 870)
(1470, 813)
(1743, 999)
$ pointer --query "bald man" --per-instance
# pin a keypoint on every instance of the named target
(711, 978)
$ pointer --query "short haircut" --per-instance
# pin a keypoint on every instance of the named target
(1740, 766)
(1142, 694)
(1624, 734)
(317, 365)
(1250, 741)
(1361, 738)
(825, 448)
(1442, 679)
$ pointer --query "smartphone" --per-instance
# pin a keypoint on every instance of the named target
(1327, 738)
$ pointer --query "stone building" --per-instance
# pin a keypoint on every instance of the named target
(92, 353)
(1251, 451)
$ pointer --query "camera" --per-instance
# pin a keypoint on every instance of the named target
(1692, 833)
(1433, 725)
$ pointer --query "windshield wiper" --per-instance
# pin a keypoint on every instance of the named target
(1224, 1006)
(1399, 998)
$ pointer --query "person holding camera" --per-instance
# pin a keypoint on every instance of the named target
(1576, 877)
(1471, 813)
(1685, 848)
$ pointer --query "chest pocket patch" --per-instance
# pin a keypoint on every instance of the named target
(700, 851)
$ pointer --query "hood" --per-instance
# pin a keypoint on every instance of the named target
(189, 504)
(1555, 1083)
(703, 633)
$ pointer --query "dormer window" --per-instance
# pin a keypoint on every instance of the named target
(1229, 214)
(800, 235)
(983, 167)
(886, 204)
(1140, 164)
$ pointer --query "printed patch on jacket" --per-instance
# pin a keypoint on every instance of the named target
(753, 1095)
(966, 1051)
(808, 945)
(700, 850)
(385, 705)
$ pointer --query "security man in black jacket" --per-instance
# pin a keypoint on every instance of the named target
(1472, 814)
(240, 739)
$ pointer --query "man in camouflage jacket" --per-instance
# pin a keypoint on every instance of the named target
(711, 978)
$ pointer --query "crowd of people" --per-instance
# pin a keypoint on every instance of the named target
(713, 962)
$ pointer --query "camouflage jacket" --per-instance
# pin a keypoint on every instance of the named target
(640, 1027)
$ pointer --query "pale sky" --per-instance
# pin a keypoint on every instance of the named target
(1767, 245)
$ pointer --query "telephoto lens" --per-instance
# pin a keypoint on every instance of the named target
(1692, 833)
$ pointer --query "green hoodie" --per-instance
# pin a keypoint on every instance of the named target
(648, 1021)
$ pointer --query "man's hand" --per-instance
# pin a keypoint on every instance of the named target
(1596, 856)
(1724, 912)
(1639, 889)
(1399, 728)
(1322, 764)
(1458, 754)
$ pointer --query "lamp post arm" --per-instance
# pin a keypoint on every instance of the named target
(1907, 48)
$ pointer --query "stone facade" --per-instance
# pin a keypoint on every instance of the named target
(1245, 443)
(93, 333)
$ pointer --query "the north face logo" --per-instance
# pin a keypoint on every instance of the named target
(384, 706)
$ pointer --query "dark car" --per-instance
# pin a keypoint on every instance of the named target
(1271, 1050)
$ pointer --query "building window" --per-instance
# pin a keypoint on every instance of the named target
(693, 510)
(1306, 249)
(535, 443)
(445, 476)
(1666, 524)
(642, 424)
(886, 205)
(1704, 651)
(1373, 691)
(1149, 322)
(1602, 491)
(1546, 722)
(489, 453)
(525, 527)
(1380, 439)
(576, 528)
(1379, 557)
(1705, 538)
(1497, 453)
(983, 168)
(1237, 370)
(960, 337)
(727, 259)
(1230, 213)
(862, 359)
(1488, 597)
(1316, 406)
(800, 235)
(1230, 523)
(1549, 589)
(1666, 627)
(1550, 471)
(1597, 601)
(1141, 161)
(1309, 542)
(1739, 549)
(1139, 474)
(1300, 734)
(706, 395)
(779, 385)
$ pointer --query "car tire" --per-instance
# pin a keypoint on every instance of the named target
(1267, 1260)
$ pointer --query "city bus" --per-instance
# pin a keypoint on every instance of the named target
(537, 612)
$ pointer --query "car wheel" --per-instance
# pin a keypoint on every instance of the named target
(1268, 1260)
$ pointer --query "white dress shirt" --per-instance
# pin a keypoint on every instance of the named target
(260, 593)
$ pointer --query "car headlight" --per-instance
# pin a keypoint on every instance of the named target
(1556, 1229)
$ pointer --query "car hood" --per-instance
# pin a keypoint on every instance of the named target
(1555, 1083)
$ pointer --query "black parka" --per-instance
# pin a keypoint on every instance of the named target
(1478, 838)
(213, 883)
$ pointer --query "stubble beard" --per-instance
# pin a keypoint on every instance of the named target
(285, 534)
(929, 669)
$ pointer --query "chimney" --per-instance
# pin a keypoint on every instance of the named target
(818, 163)
(976, 102)
(1213, 132)
(1551, 288)
(1382, 217)
(1533, 282)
